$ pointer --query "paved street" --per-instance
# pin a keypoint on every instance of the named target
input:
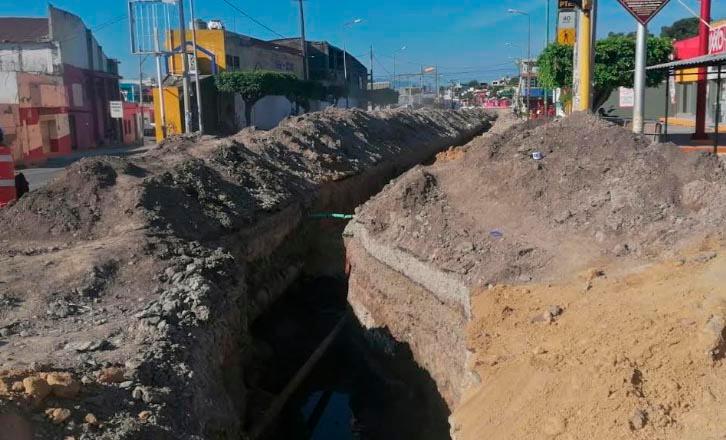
(40, 176)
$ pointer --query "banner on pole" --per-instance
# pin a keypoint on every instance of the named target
(643, 10)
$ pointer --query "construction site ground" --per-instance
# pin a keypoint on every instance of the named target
(557, 281)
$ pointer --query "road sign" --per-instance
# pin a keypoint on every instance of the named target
(117, 109)
(643, 10)
(567, 4)
(566, 36)
(626, 97)
(566, 20)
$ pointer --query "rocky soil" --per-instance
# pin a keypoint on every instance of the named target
(127, 287)
(490, 264)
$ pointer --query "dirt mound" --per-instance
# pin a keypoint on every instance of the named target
(73, 204)
(568, 276)
(500, 215)
(632, 358)
(155, 266)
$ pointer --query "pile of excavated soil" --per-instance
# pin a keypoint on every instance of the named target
(135, 276)
(498, 215)
(639, 355)
(576, 296)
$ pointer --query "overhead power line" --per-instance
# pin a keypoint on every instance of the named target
(79, 33)
(253, 19)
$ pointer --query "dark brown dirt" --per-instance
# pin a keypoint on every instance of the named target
(157, 264)
(498, 215)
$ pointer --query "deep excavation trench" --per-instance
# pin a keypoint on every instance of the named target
(366, 385)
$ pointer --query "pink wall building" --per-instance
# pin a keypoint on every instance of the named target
(55, 87)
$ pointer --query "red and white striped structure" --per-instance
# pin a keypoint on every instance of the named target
(7, 176)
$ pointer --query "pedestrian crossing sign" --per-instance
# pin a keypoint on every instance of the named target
(566, 37)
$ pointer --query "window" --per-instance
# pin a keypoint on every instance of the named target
(233, 62)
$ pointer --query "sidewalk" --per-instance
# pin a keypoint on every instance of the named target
(40, 176)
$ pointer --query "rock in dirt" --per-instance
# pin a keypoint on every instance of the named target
(638, 421)
(112, 375)
(63, 385)
(144, 416)
(714, 337)
(58, 415)
(91, 419)
(36, 387)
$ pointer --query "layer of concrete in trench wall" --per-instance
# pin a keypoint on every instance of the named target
(417, 303)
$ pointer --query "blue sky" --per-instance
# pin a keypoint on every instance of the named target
(465, 38)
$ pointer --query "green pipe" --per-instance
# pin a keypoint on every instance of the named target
(332, 215)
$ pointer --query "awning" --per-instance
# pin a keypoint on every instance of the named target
(702, 61)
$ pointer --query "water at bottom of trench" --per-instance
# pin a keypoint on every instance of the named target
(366, 387)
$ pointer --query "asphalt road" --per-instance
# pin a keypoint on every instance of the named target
(40, 176)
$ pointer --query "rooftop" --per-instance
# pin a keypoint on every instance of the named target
(23, 30)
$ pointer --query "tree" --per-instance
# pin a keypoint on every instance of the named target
(473, 83)
(614, 65)
(555, 66)
(681, 29)
(253, 85)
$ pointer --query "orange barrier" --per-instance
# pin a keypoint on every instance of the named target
(7, 176)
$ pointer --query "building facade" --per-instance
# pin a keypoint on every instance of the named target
(327, 65)
(682, 88)
(56, 87)
(220, 50)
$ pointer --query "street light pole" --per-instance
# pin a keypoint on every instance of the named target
(394, 65)
(547, 42)
(528, 68)
(303, 43)
(185, 68)
(196, 68)
(345, 56)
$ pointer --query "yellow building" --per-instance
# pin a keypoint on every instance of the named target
(218, 50)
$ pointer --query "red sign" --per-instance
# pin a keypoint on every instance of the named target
(717, 40)
(643, 10)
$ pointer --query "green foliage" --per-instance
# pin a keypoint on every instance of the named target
(622, 34)
(473, 83)
(555, 66)
(253, 85)
(614, 65)
(383, 96)
(681, 29)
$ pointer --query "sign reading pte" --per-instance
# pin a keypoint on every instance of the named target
(643, 10)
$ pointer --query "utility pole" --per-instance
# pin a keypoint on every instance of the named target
(547, 42)
(196, 68)
(640, 60)
(437, 82)
(583, 86)
(140, 117)
(185, 68)
(701, 101)
(162, 105)
(303, 43)
(370, 87)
